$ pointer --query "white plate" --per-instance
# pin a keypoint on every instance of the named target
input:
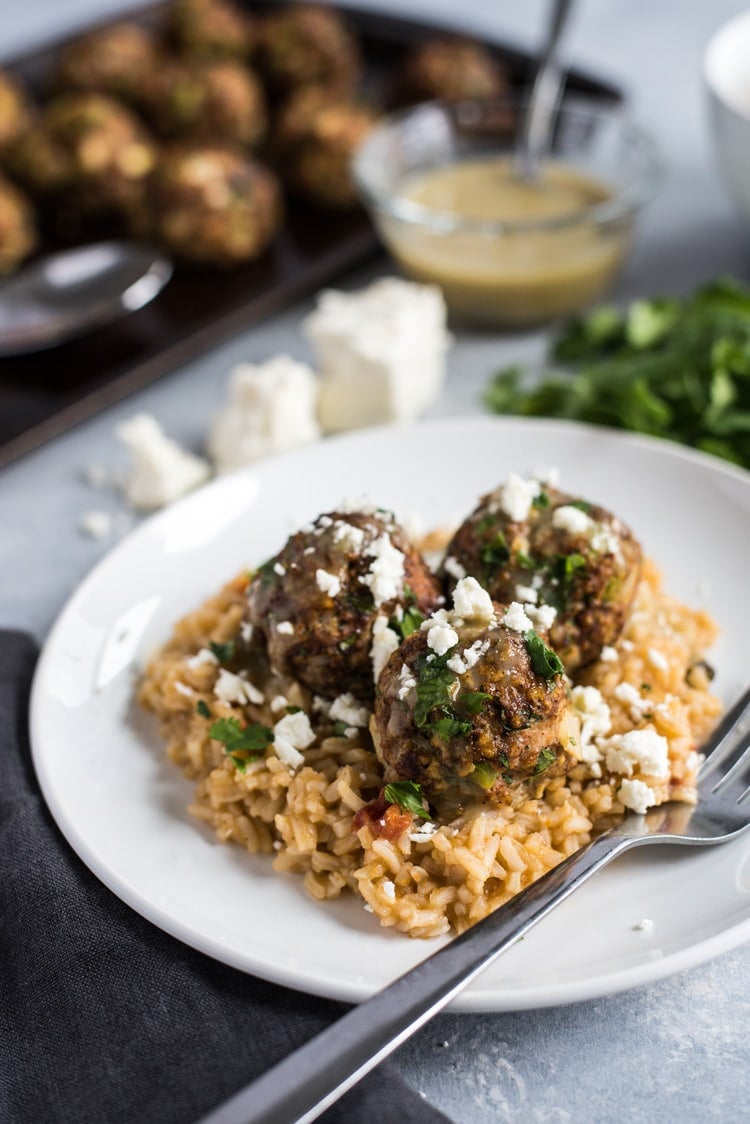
(122, 806)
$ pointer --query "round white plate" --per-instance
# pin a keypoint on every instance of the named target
(122, 805)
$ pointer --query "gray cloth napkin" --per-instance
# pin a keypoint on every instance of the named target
(104, 1018)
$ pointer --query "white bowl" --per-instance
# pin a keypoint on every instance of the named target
(726, 69)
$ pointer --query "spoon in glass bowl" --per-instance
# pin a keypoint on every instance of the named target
(65, 294)
(536, 127)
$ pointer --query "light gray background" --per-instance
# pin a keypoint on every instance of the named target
(679, 1049)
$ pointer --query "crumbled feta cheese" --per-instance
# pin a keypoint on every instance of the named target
(627, 645)
(471, 602)
(231, 688)
(645, 925)
(461, 662)
(604, 539)
(203, 656)
(246, 631)
(380, 351)
(637, 796)
(423, 832)
(98, 476)
(321, 705)
(346, 709)
(95, 524)
(516, 496)
(328, 583)
(386, 574)
(657, 659)
(549, 476)
(595, 718)
(541, 616)
(292, 733)
(389, 889)
(279, 569)
(516, 619)
(642, 749)
(627, 693)
(527, 593)
(183, 689)
(384, 644)
(279, 702)
(270, 407)
(161, 471)
(441, 638)
(346, 535)
(454, 568)
(407, 680)
(572, 520)
(608, 654)
(286, 628)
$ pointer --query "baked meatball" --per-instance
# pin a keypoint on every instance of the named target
(219, 102)
(17, 227)
(306, 45)
(15, 110)
(325, 601)
(213, 205)
(86, 158)
(530, 543)
(473, 705)
(211, 29)
(450, 69)
(316, 135)
(119, 60)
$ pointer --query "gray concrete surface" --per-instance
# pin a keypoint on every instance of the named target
(677, 1050)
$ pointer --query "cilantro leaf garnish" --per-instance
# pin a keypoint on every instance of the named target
(408, 795)
(484, 774)
(223, 652)
(544, 661)
(339, 729)
(495, 553)
(449, 725)
(540, 500)
(266, 571)
(434, 683)
(567, 566)
(473, 701)
(485, 523)
(411, 618)
(202, 708)
(242, 744)
(526, 562)
(581, 505)
(546, 758)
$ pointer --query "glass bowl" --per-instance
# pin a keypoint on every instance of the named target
(497, 272)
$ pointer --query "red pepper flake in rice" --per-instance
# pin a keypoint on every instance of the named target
(385, 821)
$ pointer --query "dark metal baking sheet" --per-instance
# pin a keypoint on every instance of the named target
(46, 393)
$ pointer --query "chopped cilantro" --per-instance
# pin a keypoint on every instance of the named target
(202, 708)
(546, 758)
(567, 566)
(449, 726)
(544, 661)
(408, 795)
(540, 500)
(434, 683)
(339, 729)
(223, 652)
(484, 774)
(266, 571)
(526, 562)
(495, 553)
(293, 709)
(473, 701)
(242, 744)
(485, 523)
(411, 618)
(582, 505)
(348, 642)
(645, 686)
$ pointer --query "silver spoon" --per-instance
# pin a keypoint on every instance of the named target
(65, 294)
(536, 128)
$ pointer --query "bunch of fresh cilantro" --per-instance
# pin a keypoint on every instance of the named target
(678, 369)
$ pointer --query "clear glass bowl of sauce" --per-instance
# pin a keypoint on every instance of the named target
(443, 189)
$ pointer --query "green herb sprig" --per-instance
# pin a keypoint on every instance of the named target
(242, 743)
(544, 661)
(408, 795)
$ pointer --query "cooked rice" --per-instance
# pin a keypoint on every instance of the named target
(447, 880)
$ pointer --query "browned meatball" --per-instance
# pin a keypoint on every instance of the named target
(213, 205)
(219, 102)
(450, 69)
(15, 110)
(212, 29)
(17, 227)
(563, 552)
(333, 587)
(119, 60)
(88, 156)
(307, 45)
(473, 716)
(316, 134)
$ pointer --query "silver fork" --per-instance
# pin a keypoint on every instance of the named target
(314, 1076)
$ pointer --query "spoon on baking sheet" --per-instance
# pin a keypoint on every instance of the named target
(65, 294)
(539, 119)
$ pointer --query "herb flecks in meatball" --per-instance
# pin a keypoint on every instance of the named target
(307, 45)
(474, 704)
(212, 29)
(216, 101)
(450, 68)
(570, 561)
(338, 598)
(118, 60)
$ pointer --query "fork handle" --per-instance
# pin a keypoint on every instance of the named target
(310, 1079)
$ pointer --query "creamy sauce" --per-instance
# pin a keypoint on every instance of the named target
(519, 275)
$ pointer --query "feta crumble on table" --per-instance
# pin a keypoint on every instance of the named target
(270, 407)
(346, 709)
(327, 583)
(292, 733)
(637, 796)
(95, 524)
(645, 925)
(160, 471)
(380, 352)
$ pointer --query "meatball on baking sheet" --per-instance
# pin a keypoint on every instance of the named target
(429, 722)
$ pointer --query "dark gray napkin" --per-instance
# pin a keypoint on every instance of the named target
(104, 1018)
